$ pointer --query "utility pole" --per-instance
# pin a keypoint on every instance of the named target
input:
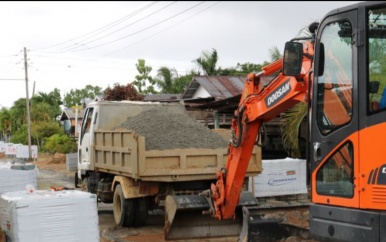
(27, 104)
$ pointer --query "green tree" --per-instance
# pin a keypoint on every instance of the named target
(144, 82)
(242, 69)
(20, 136)
(165, 78)
(275, 54)
(207, 62)
(75, 96)
(170, 82)
(43, 130)
(181, 82)
(46, 104)
(5, 122)
(60, 143)
(18, 114)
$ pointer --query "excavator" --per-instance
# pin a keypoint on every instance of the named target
(339, 72)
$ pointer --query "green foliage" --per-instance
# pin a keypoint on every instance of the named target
(49, 102)
(144, 82)
(43, 130)
(207, 62)
(75, 96)
(5, 122)
(290, 123)
(20, 136)
(242, 69)
(275, 54)
(60, 143)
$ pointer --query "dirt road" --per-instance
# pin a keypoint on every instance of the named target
(53, 173)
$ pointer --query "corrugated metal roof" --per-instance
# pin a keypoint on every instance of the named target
(69, 113)
(219, 87)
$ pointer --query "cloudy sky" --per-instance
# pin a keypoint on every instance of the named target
(72, 44)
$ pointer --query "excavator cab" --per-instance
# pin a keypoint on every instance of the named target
(347, 154)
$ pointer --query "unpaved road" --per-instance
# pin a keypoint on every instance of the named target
(54, 174)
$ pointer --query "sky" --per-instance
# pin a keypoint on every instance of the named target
(71, 44)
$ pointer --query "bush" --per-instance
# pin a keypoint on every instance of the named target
(61, 144)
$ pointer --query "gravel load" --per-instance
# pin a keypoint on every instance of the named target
(164, 129)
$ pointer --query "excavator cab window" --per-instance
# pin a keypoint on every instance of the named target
(292, 60)
(376, 88)
(335, 84)
(335, 178)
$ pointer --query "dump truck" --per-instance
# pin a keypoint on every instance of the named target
(133, 154)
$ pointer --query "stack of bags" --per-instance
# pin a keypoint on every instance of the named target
(46, 216)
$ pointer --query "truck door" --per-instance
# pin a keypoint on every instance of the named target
(85, 140)
(334, 113)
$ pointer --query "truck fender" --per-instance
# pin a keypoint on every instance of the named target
(130, 187)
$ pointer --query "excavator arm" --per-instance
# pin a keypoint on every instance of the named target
(258, 104)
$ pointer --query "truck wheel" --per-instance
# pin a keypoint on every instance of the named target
(123, 208)
(141, 211)
(86, 184)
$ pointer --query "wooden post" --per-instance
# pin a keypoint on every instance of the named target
(27, 104)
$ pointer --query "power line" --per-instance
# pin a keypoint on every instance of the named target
(161, 30)
(119, 29)
(93, 47)
(11, 79)
(106, 26)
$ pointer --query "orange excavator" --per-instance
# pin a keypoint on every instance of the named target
(337, 72)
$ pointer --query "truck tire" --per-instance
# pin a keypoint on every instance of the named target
(123, 209)
(141, 211)
(86, 184)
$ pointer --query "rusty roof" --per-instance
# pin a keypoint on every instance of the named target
(219, 87)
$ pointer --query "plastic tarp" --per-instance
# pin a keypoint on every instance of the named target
(15, 177)
(46, 216)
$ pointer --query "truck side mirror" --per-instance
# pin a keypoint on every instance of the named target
(292, 60)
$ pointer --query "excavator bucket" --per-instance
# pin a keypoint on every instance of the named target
(185, 218)
(262, 223)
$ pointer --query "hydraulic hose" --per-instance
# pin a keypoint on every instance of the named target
(236, 141)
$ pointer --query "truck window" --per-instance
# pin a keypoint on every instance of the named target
(376, 88)
(334, 89)
(86, 123)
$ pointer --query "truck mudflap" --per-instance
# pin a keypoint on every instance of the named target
(186, 218)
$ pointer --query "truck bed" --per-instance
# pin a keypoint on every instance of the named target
(123, 153)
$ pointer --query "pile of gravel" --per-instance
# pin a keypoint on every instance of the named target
(164, 129)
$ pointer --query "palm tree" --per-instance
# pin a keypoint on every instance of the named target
(293, 117)
(166, 78)
(207, 62)
(275, 54)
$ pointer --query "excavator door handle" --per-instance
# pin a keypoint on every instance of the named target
(317, 152)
